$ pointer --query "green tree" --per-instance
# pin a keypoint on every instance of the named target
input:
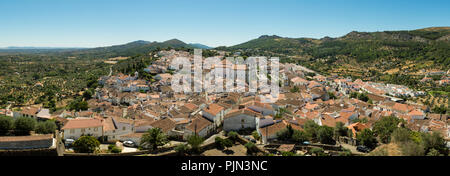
(181, 149)
(311, 129)
(367, 138)
(384, 127)
(195, 141)
(434, 141)
(401, 135)
(6, 124)
(325, 135)
(86, 144)
(233, 135)
(46, 127)
(251, 148)
(340, 129)
(299, 136)
(23, 125)
(285, 134)
(256, 135)
(434, 152)
(295, 89)
(331, 95)
(153, 138)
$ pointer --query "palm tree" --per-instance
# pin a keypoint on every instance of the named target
(154, 138)
(195, 141)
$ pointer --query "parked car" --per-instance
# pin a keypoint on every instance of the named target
(250, 139)
(129, 144)
(68, 142)
(306, 143)
(363, 149)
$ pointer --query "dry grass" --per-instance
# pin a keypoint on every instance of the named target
(387, 150)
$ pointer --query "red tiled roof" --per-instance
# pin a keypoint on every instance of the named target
(213, 109)
(82, 123)
(165, 125)
(198, 124)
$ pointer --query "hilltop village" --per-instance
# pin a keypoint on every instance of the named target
(125, 107)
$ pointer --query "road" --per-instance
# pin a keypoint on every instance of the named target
(352, 149)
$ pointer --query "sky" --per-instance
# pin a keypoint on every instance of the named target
(95, 23)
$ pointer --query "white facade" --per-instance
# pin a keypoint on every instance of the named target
(76, 133)
(239, 122)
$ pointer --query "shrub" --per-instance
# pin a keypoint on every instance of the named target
(6, 124)
(411, 148)
(86, 144)
(434, 141)
(114, 149)
(256, 135)
(233, 135)
(317, 151)
(182, 149)
(283, 153)
(46, 127)
(23, 125)
(251, 148)
(345, 152)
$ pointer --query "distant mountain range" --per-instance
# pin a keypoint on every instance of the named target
(423, 44)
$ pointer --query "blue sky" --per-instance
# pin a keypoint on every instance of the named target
(93, 23)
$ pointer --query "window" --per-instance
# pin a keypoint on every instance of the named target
(72, 131)
(95, 129)
(83, 130)
(124, 128)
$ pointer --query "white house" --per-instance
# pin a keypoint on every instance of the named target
(241, 119)
(199, 126)
(214, 113)
(74, 128)
(417, 114)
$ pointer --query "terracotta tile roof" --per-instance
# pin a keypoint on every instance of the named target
(191, 106)
(402, 107)
(25, 138)
(312, 115)
(30, 110)
(357, 127)
(198, 124)
(299, 80)
(123, 120)
(143, 122)
(213, 109)
(165, 125)
(82, 123)
(246, 111)
(416, 113)
(273, 129)
(311, 106)
(108, 124)
(327, 120)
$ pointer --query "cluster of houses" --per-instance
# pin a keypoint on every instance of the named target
(443, 81)
(126, 107)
